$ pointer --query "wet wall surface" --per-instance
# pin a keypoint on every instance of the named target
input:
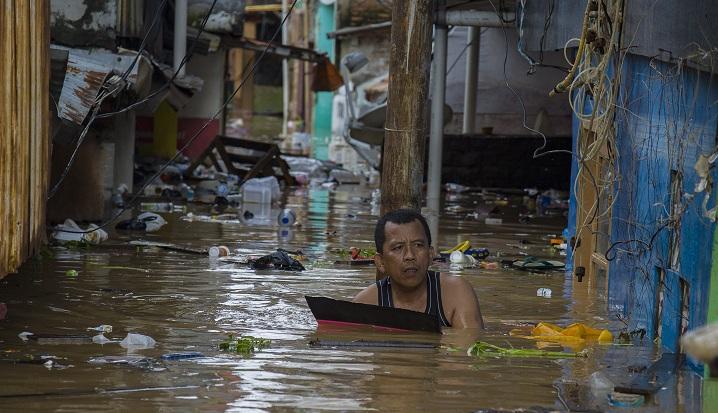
(189, 303)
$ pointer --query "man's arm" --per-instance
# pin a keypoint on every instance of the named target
(368, 295)
(460, 293)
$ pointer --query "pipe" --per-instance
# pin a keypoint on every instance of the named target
(473, 18)
(472, 80)
(180, 40)
(285, 72)
(436, 137)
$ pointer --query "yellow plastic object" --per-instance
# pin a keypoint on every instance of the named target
(462, 246)
(573, 335)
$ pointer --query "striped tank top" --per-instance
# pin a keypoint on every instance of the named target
(434, 306)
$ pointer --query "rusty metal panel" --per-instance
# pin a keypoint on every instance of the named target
(83, 79)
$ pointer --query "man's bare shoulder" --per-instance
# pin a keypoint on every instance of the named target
(367, 296)
(453, 284)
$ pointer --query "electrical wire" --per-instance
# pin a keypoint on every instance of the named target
(248, 74)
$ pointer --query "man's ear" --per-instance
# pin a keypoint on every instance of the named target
(379, 262)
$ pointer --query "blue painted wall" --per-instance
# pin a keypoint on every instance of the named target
(666, 117)
(322, 131)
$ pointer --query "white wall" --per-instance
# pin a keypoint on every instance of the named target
(208, 101)
(496, 105)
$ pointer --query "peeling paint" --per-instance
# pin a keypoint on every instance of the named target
(83, 79)
(84, 22)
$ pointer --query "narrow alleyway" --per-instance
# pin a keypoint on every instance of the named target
(189, 303)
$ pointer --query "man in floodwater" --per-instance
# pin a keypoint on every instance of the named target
(404, 253)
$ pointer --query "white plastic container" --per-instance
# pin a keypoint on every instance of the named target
(260, 190)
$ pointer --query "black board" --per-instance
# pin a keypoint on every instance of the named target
(330, 310)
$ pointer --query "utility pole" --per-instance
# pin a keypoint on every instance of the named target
(406, 118)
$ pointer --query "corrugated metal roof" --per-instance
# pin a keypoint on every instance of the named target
(83, 80)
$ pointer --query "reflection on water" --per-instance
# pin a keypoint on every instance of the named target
(189, 303)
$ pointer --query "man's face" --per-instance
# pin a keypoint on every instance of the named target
(406, 254)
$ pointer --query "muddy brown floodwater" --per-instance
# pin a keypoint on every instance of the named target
(188, 303)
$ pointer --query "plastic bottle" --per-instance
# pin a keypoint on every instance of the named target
(544, 292)
(286, 218)
(220, 251)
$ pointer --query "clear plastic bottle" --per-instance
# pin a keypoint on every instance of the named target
(286, 218)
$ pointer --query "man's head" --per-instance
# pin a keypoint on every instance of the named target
(403, 245)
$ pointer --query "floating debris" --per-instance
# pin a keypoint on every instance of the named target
(483, 349)
(245, 345)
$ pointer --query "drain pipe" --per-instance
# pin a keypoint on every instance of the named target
(472, 80)
(180, 40)
(436, 138)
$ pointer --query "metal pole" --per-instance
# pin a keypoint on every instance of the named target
(180, 40)
(436, 139)
(285, 73)
(405, 135)
(472, 80)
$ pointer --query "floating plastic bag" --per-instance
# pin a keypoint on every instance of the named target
(137, 342)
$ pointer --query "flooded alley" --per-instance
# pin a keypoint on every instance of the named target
(189, 303)
(358, 205)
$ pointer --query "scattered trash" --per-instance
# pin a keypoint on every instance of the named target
(458, 257)
(544, 292)
(702, 343)
(182, 356)
(456, 188)
(244, 345)
(71, 273)
(135, 361)
(493, 221)
(488, 265)
(478, 253)
(103, 328)
(600, 385)
(220, 251)
(146, 221)
(137, 342)
(101, 339)
(463, 246)
(535, 264)
(163, 207)
(279, 260)
(483, 349)
(25, 335)
(286, 218)
(70, 231)
(625, 400)
(260, 190)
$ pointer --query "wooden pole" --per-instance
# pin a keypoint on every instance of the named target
(406, 119)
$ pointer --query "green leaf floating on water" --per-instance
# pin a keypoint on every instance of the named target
(483, 349)
(245, 345)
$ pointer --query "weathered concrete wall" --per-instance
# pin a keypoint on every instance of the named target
(79, 23)
(497, 106)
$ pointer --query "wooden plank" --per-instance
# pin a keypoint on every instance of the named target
(652, 380)
(4, 136)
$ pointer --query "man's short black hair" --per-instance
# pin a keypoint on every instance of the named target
(399, 216)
